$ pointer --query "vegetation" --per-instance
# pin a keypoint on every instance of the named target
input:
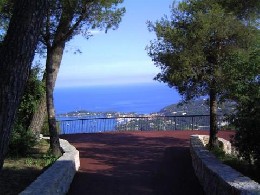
(238, 164)
(244, 89)
(19, 172)
(23, 33)
(193, 48)
(197, 107)
(22, 138)
(247, 123)
(64, 20)
(206, 48)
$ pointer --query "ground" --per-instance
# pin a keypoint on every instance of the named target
(154, 162)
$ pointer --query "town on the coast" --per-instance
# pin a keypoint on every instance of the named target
(183, 116)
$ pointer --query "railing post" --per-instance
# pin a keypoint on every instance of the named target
(82, 124)
(175, 123)
(192, 121)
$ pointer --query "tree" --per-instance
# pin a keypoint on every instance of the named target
(16, 54)
(22, 139)
(65, 19)
(192, 47)
(247, 122)
(34, 90)
(246, 93)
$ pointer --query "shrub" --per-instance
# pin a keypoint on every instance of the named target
(247, 122)
(21, 141)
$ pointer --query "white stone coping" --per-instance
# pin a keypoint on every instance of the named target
(216, 177)
(57, 178)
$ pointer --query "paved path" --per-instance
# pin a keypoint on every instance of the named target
(135, 163)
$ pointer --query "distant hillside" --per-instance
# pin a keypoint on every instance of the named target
(196, 107)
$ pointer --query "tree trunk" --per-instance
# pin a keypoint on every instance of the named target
(39, 115)
(54, 57)
(213, 142)
(46, 105)
(16, 54)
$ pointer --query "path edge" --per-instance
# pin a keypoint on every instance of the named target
(214, 176)
(57, 178)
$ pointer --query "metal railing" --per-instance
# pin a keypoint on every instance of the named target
(145, 123)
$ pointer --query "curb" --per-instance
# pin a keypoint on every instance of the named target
(216, 177)
(57, 178)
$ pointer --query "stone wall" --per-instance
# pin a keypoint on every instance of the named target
(57, 178)
(215, 177)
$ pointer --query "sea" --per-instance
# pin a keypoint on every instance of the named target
(138, 98)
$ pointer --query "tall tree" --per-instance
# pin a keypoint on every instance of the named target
(244, 89)
(192, 47)
(65, 19)
(16, 54)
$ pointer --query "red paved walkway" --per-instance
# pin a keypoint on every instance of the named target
(135, 163)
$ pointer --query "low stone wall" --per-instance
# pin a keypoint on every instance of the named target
(215, 177)
(57, 178)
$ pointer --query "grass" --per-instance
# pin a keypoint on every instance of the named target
(20, 172)
(239, 165)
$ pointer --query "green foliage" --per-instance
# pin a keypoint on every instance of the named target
(192, 47)
(79, 18)
(241, 165)
(247, 123)
(200, 46)
(48, 159)
(32, 94)
(243, 79)
(22, 138)
(245, 90)
(44, 160)
(244, 10)
(218, 152)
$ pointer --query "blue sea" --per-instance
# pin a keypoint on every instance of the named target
(141, 98)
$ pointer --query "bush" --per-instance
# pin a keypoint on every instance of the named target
(21, 141)
(247, 137)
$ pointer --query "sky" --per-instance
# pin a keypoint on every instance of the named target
(117, 57)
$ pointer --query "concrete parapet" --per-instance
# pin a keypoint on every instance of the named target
(214, 176)
(57, 178)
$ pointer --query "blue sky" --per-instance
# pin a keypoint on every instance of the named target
(118, 57)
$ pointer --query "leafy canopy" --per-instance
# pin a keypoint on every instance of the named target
(194, 44)
(68, 18)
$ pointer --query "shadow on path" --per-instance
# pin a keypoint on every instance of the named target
(134, 163)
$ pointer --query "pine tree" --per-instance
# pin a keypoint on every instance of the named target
(16, 54)
(193, 46)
